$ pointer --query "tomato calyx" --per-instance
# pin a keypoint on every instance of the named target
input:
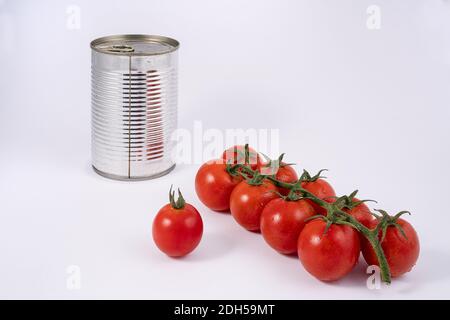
(179, 203)
(292, 196)
(272, 165)
(330, 220)
(386, 220)
(298, 192)
(234, 168)
(238, 154)
(256, 179)
(252, 177)
(306, 176)
(335, 215)
(348, 201)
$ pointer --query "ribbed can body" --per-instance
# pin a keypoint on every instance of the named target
(134, 113)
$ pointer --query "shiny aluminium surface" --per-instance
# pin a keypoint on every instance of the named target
(134, 105)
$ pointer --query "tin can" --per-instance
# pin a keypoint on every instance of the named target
(134, 105)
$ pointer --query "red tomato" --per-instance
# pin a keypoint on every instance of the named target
(321, 189)
(328, 256)
(214, 184)
(282, 221)
(285, 173)
(401, 253)
(177, 232)
(361, 213)
(236, 155)
(247, 202)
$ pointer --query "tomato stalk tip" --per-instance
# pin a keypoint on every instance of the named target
(179, 203)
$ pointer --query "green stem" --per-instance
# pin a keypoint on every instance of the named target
(179, 203)
(370, 235)
(332, 210)
(304, 191)
(382, 261)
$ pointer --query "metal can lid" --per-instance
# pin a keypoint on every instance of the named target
(135, 45)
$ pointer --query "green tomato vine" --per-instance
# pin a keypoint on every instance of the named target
(335, 212)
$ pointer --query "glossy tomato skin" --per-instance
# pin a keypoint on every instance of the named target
(329, 256)
(401, 253)
(236, 155)
(282, 221)
(213, 185)
(177, 232)
(321, 189)
(285, 173)
(247, 203)
(361, 213)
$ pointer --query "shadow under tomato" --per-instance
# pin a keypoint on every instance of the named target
(426, 271)
(357, 278)
(293, 255)
(226, 212)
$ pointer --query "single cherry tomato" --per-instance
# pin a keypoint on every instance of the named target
(328, 256)
(247, 202)
(236, 155)
(401, 252)
(287, 174)
(214, 184)
(361, 212)
(282, 221)
(321, 189)
(177, 228)
(284, 173)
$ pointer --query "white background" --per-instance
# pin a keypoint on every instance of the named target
(370, 105)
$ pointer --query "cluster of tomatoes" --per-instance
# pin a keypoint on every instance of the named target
(295, 215)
